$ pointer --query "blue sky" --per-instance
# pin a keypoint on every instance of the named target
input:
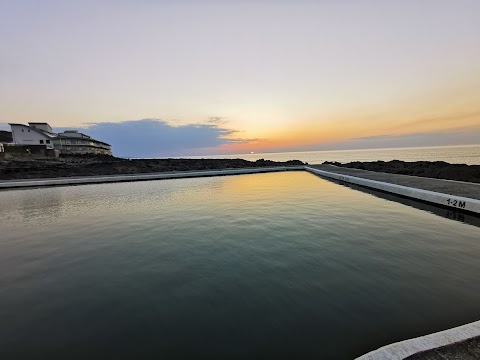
(276, 75)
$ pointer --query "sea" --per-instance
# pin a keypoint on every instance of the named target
(262, 266)
(469, 154)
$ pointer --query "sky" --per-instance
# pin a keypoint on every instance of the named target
(185, 77)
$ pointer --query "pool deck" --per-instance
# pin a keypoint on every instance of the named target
(456, 195)
(100, 179)
(452, 344)
(464, 350)
(455, 188)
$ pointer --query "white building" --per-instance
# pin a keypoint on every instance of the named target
(33, 135)
(74, 142)
(68, 142)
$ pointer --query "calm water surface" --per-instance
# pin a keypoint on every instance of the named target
(283, 265)
(452, 154)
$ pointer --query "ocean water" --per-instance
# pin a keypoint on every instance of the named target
(452, 154)
(282, 265)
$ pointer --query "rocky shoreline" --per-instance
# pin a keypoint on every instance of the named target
(15, 169)
(431, 169)
(91, 165)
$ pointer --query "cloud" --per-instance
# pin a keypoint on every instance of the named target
(403, 137)
(452, 118)
(157, 138)
(218, 120)
(459, 136)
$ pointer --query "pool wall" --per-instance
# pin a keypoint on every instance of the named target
(12, 184)
(445, 200)
(404, 349)
(457, 203)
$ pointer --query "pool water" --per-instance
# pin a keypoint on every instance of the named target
(280, 265)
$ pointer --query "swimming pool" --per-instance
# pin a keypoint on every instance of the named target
(252, 266)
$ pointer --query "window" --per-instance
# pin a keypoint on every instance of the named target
(47, 141)
(41, 141)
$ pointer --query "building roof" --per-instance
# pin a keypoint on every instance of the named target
(46, 133)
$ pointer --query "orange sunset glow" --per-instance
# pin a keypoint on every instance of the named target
(301, 76)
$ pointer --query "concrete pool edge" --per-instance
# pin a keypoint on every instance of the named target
(32, 183)
(442, 199)
(403, 349)
(453, 202)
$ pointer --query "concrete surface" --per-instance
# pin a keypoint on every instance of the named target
(405, 349)
(456, 188)
(26, 183)
(459, 196)
(464, 350)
